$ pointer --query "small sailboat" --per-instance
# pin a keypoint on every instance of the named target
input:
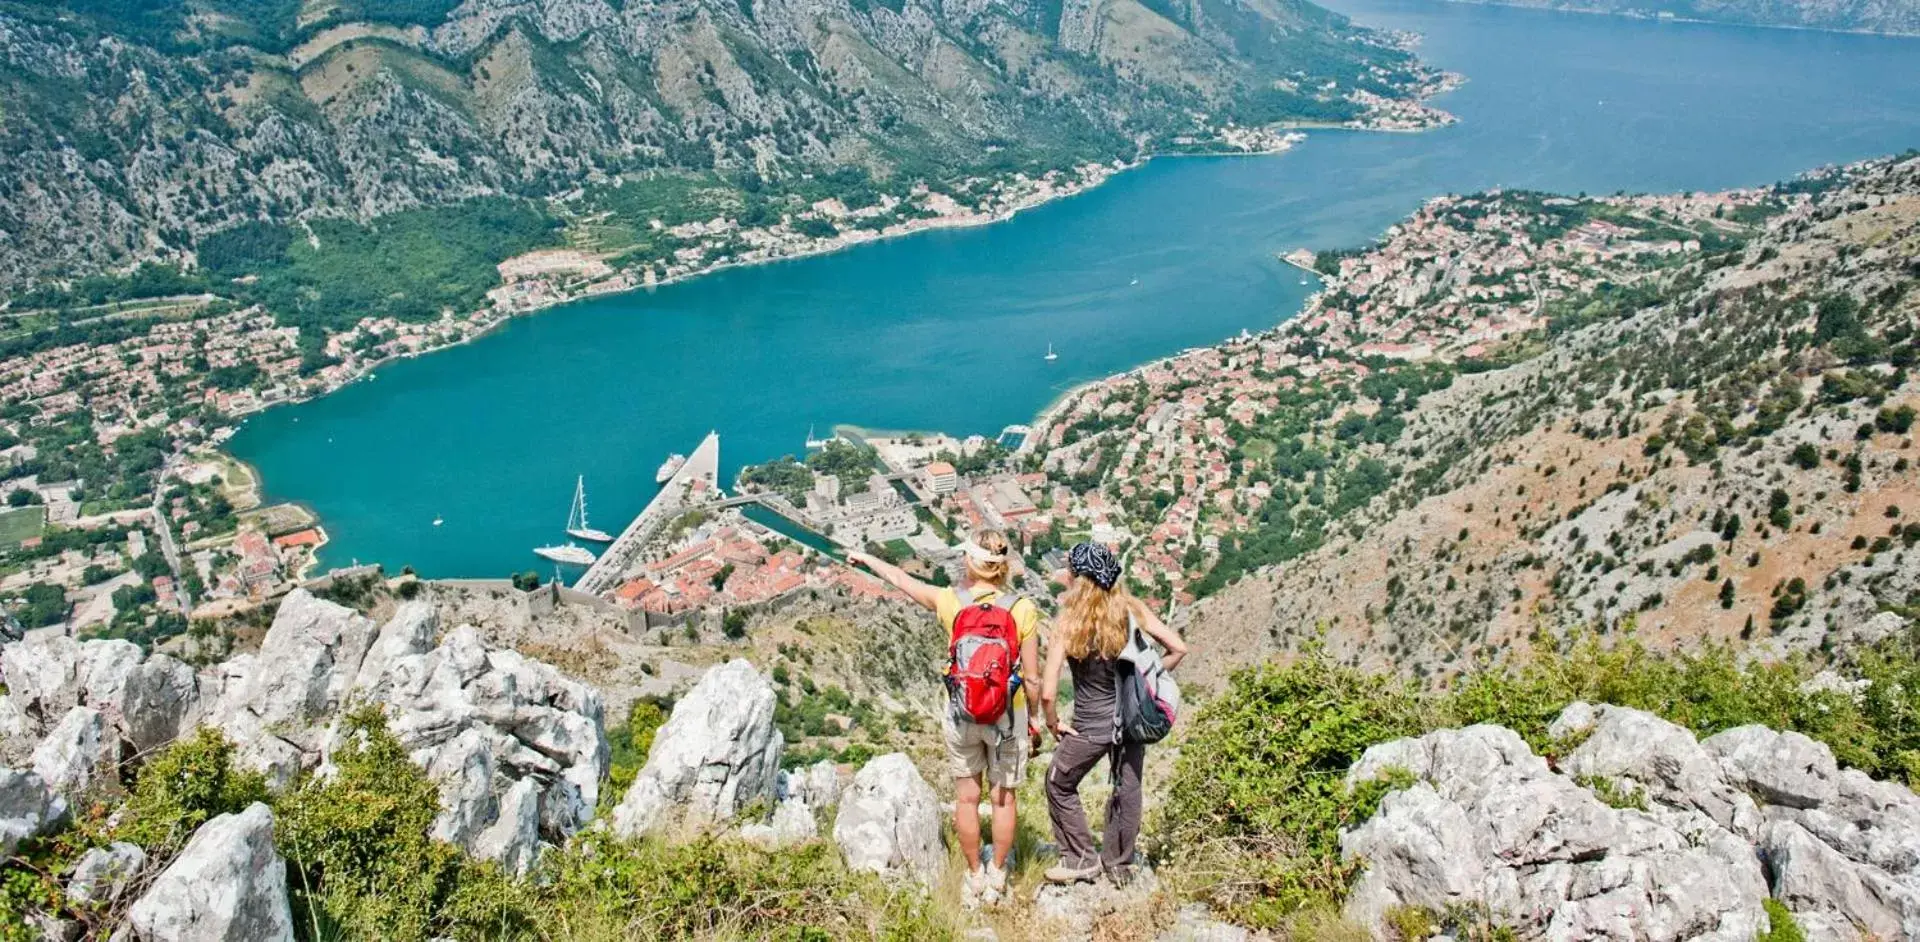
(577, 526)
(1051, 356)
(814, 444)
(438, 521)
(1133, 282)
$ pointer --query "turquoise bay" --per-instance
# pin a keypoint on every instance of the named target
(947, 330)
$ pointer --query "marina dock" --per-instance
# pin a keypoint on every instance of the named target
(703, 465)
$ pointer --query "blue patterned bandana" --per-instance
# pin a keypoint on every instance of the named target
(1095, 562)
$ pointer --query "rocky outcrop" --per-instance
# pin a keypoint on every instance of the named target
(102, 874)
(77, 754)
(718, 754)
(890, 819)
(146, 701)
(1690, 840)
(517, 750)
(227, 885)
(277, 702)
(28, 808)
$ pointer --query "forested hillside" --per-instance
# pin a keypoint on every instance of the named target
(1701, 440)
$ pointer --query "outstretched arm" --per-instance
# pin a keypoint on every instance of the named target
(927, 596)
(1166, 637)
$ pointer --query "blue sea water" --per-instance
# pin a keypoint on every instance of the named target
(946, 330)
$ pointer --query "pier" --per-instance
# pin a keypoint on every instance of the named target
(704, 466)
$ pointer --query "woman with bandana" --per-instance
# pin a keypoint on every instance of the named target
(1097, 617)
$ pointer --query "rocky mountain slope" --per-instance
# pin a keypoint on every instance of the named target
(133, 135)
(1717, 447)
(1873, 16)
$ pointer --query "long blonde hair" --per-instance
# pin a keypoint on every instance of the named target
(1094, 621)
(995, 542)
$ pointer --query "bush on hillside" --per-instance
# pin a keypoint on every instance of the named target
(187, 783)
(1256, 802)
(1708, 690)
(715, 888)
(1257, 798)
(361, 863)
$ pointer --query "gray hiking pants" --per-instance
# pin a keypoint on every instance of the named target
(1072, 760)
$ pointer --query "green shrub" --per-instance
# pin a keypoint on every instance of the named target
(1780, 924)
(361, 863)
(715, 888)
(1257, 798)
(187, 783)
(1706, 690)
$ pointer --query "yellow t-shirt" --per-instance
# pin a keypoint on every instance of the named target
(1026, 618)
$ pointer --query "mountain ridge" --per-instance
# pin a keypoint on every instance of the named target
(142, 136)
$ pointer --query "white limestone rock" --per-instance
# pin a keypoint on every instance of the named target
(718, 753)
(42, 673)
(818, 785)
(1489, 824)
(28, 808)
(78, 754)
(890, 820)
(102, 874)
(275, 710)
(157, 703)
(513, 839)
(792, 822)
(1647, 754)
(227, 885)
(1779, 768)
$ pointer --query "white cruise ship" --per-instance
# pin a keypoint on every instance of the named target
(667, 471)
(569, 554)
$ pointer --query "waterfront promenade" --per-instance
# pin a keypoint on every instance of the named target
(702, 466)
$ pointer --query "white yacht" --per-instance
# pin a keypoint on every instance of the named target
(669, 469)
(1051, 356)
(569, 554)
(577, 517)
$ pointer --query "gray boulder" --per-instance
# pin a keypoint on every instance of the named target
(817, 785)
(274, 710)
(156, 704)
(1640, 752)
(78, 754)
(227, 885)
(1489, 824)
(513, 839)
(146, 701)
(42, 673)
(28, 808)
(1193, 923)
(890, 821)
(717, 754)
(1779, 768)
(792, 822)
(102, 874)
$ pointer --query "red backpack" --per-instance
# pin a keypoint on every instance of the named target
(983, 666)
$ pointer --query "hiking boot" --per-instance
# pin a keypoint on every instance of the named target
(994, 889)
(973, 888)
(1065, 872)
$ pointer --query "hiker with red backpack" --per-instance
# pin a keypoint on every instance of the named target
(991, 648)
(1123, 700)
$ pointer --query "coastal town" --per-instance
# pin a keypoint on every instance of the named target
(1173, 462)
(1178, 461)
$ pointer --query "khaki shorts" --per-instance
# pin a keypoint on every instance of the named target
(999, 751)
